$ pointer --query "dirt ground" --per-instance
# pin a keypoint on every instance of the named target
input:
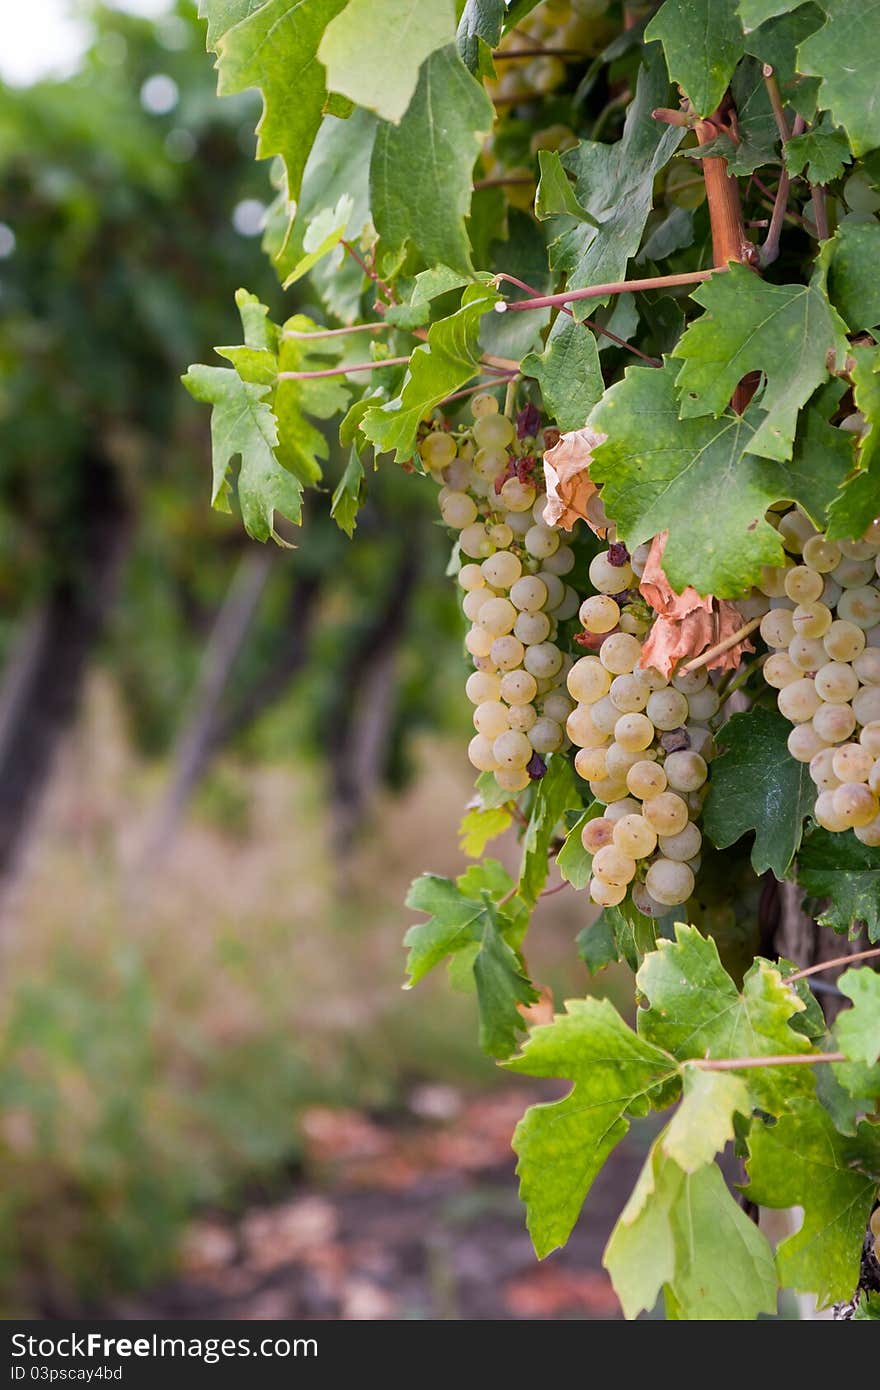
(415, 1218)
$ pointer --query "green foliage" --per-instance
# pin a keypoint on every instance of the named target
(420, 175)
(842, 870)
(802, 1160)
(703, 43)
(788, 332)
(858, 1029)
(757, 786)
(456, 178)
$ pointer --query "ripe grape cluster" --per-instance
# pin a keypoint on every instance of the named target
(643, 746)
(493, 496)
(823, 629)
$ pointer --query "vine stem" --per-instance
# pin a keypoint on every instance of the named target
(588, 323)
(831, 964)
(784, 1059)
(721, 647)
(344, 371)
(479, 386)
(552, 301)
(338, 332)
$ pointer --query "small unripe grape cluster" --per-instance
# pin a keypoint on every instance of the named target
(514, 596)
(643, 746)
(823, 631)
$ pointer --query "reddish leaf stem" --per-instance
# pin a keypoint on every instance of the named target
(588, 323)
(832, 964)
(553, 301)
(479, 386)
(344, 370)
(338, 332)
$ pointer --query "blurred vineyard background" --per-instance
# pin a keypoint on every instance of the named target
(220, 764)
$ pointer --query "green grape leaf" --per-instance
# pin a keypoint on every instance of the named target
(420, 175)
(846, 872)
(696, 1010)
(275, 48)
(301, 446)
(802, 1160)
(357, 45)
(758, 786)
(223, 14)
(821, 153)
(868, 1309)
(242, 423)
(555, 193)
(776, 42)
(755, 12)
(573, 861)
(501, 987)
(703, 1122)
(465, 920)
(703, 43)
(684, 1234)
(660, 473)
(858, 1028)
(479, 31)
(562, 1145)
(346, 501)
(448, 360)
(568, 373)
(334, 202)
(856, 506)
(634, 932)
(785, 331)
(613, 185)
(454, 921)
(843, 53)
(852, 280)
(597, 944)
(480, 825)
(555, 793)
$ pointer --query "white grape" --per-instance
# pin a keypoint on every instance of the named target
(802, 584)
(490, 718)
(480, 686)
(853, 574)
(855, 803)
(844, 641)
(605, 714)
(825, 813)
(543, 660)
(799, 701)
(607, 894)
(493, 432)
(473, 602)
(669, 882)
(634, 732)
(512, 749)
(804, 743)
(588, 680)
(528, 593)
(555, 589)
(667, 709)
(777, 627)
(870, 737)
(811, 619)
(821, 554)
(557, 706)
(807, 653)
(517, 496)
(836, 682)
(546, 735)
(867, 666)
(629, 693)
(682, 846)
(507, 652)
(522, 717)
(667, 812)
(458, 510)
(483, 404)
(852, 763)
(501, 569)
(569, 605)
(635, 836)
(611, 865)
(471, 577)
(685, 771)
(599, 613)
(622, 805)
(646, 779)
(518, 687)
(833, 723)
(541, 541)
(596, 834)
(822, 769)
(860, 606)
(497, 617)
(481, 755)
(689, 682)
(474, 541)
(501, 535)
(608, 578)
(620, 653)
(531, 628)
(780, 670)
(478, 641)
(866, 704)
(618, 761)
(608, 790)
(561, 561)
(589, 763)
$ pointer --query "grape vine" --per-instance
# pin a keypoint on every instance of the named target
(604, 275)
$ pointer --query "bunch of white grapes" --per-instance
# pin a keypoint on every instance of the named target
(823, 629)
(643, 746)
(493, 496)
